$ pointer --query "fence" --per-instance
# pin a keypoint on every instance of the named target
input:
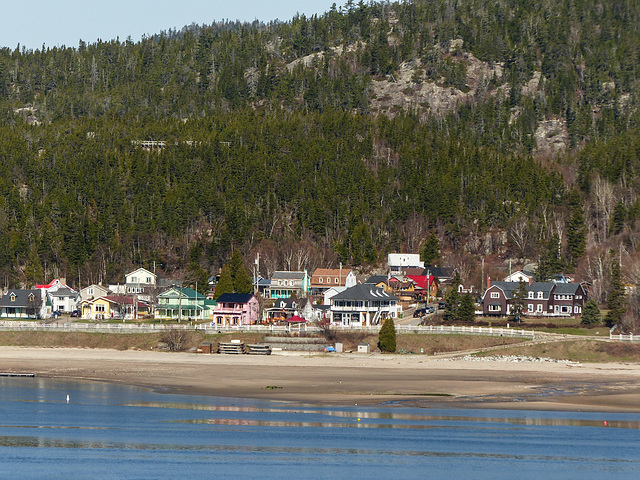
(625, 338)
(297, 328)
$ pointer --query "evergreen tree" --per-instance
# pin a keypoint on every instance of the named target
(517, 302)
(618, 218)
(431, 250)
(591, 313)
(225, 284)
(466, 311)
(576, 237)
(242, 282)
(235, 264)
(615, 297)
(452, 305)
(550, 261)
(387, 336)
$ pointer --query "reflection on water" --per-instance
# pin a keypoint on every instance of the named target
(125, 432)
(387, 415)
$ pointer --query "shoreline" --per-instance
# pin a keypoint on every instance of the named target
(345, 379)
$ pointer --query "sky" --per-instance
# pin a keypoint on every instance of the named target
(64, 22)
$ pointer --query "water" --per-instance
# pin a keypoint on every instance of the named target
(110, 431)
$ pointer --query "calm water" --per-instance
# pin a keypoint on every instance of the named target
(108, 431)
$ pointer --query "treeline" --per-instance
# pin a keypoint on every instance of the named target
(270, 144)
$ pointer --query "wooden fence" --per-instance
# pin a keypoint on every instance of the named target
(270, 329)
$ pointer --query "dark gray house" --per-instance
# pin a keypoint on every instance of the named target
(542, 299)
(16, 304)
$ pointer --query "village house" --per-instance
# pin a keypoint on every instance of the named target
(120, 307)
(285, 308)
(363, 305)
(325, 278)
(181, 304)
(141, 284)
(285, 284)
(235, 310)
(397, 263)
(93, 291)
(18, 304)
(541, 299)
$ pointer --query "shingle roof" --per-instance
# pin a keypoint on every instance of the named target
(364, 292)
(21, 298)
(288, 275)
(375, 279)
(566, 288)
(234, 298)
(509, 288)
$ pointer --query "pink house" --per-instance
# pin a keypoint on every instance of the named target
(235, 309)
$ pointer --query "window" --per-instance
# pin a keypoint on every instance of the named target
(320, 279)
(91, 291)
(13, 297)
(337, 280)
(494, 308)
(530, 307)
(99, 308)
(530, 295)
(328, 280)
(539, 309)
(148, 279)
(540, 295)
(577, 309)
(495, 295)
(578, 297)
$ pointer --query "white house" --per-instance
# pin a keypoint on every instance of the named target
(64, 299)
(398, 262)
(140, 283)
(363, 305)
(519, 276)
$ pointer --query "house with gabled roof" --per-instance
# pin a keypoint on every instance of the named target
(181, 304)
(363, 305)
(541, 299)
(64, 299)
(235, 310)
(115, 307)
(285, 284)
(93, 291)
(18, 303)
(325, 278)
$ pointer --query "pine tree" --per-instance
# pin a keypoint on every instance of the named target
(517, 303)
(576, 237)
(225, 284)
(431, 250)
(452, 305)
(242, 282)
(467, 309)
(387, 336)
(591, 313)
(616, 297)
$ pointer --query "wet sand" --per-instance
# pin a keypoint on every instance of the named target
(344, 379)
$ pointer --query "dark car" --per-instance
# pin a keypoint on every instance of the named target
(441, 305)
(430, 309)
(75, 314)
(420, 312)
(56, 313)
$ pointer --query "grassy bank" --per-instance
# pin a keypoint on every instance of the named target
(577, 351)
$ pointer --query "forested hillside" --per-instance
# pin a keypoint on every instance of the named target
(506, 128)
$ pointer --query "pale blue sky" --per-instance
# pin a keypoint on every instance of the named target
(64, 22)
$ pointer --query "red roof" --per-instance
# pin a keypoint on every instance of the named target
(421, 280)
(49, 285)
(295, 319)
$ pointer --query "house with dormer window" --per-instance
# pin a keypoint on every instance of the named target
(17, 304)
(363, 305)
(541, 299)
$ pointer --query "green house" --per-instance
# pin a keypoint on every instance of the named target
(182, 304)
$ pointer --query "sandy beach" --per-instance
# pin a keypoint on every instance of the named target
(343, 379)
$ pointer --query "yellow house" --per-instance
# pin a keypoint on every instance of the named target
(117, 306)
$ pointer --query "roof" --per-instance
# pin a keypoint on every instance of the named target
(120, 300)
(375, 279)
(49, 285)
(63, 292)
(421, 280)
(235, 298)
(288, 275)
(21, 298)
(566, 288)
(364, 292)
(186, 292)
(140, 270)
(509, 288)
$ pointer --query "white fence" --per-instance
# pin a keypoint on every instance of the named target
(625, 338)
(129, 328)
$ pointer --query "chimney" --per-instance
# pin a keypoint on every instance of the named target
(488, 282)
(530, 281)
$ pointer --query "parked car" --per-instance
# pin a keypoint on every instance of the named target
(430, 309)
(56, 313)
(75, 314)
(420, 312)
(441, 305)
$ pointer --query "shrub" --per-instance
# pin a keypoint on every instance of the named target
(387, 337)
(591, 313)
(176, 340)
